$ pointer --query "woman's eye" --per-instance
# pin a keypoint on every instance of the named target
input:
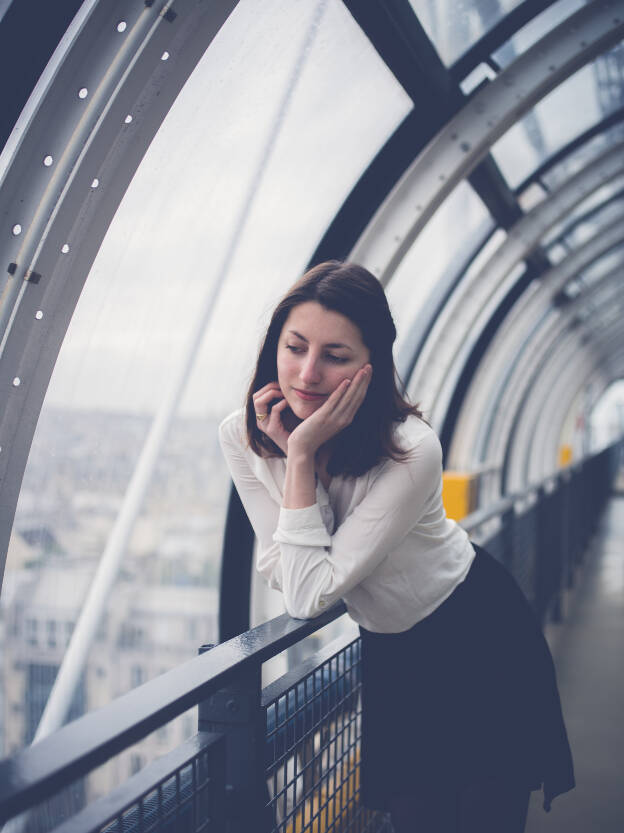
(337, 359)
(294, 348)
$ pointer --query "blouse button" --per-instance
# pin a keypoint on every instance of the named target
(322, 603)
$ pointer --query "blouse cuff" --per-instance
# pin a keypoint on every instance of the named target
(302, 527)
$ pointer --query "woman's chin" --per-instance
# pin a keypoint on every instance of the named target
(302, 410)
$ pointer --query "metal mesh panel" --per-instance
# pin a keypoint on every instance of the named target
(313, 752)
(180, 802)
(182, 792)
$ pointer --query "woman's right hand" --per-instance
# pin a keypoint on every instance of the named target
(272, 425)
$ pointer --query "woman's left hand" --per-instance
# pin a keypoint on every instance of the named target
(336, 413)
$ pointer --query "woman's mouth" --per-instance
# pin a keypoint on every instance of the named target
(309, 397)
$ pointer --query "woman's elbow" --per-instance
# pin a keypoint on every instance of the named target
(304, 608)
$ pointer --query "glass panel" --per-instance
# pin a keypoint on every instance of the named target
(585, 229)
(605, 264)
(596, 272)
(571, 232)
(581, 157)
(554, 122)
(454, 26)
(535, 30)
(252, 162)
(441, 248)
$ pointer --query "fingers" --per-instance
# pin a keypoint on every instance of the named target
(272, 424)
(354, 390)
(268, 386)
(355, 393)
(262, 398)
(345, 400)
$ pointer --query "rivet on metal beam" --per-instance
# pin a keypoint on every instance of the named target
(32, 277)
(170, 15)
(149, 3)
(12, 268)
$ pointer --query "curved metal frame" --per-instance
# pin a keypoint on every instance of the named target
(466, 139)
(586, 217)
(550, 397)
(503, 384)
(552, 388)
(446, 352)
(596, 372)
(59, 204)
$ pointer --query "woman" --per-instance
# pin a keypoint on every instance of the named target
(341, 479)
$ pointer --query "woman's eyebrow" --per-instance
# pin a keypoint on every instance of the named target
(333, 345)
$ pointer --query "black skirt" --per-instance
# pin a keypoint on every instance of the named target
(466, 695)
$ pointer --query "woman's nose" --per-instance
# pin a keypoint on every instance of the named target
(310, 373)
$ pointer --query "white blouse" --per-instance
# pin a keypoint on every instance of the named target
(381, 541)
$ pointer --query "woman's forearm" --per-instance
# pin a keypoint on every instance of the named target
(300, 482)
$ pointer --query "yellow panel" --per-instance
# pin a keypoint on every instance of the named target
(459, 493)
(332, 806)
(565, 455)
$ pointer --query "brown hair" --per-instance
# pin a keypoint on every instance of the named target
(355, 293)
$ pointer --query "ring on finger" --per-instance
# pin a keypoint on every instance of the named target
(260, 417)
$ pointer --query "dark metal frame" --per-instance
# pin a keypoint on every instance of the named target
(394, 30)
(236, 570)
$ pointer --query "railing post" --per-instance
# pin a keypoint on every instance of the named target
(235, 710)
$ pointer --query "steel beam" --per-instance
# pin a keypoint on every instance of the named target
(567, 351)
(595, 373)
(467, 138)
(503, 382)
(400, 40)
(571, 362)
(586, 217)
(60, 206)
(468, 312)
(556, 384)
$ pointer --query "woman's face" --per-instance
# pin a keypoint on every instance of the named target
(317, 349)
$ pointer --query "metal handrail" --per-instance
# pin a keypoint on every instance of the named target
(38, 771)
(480, 516)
